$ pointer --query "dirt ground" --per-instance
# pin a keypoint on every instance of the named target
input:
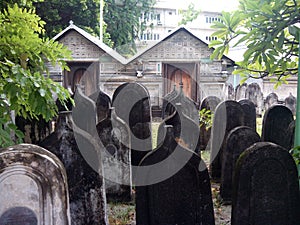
(124, 214)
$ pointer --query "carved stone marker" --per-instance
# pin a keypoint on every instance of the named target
(255, 95)
(271, 99)
(291, 102)
(275, 125)
(238, 140)
(208, 103)
(228, 115)
(183, 198)
(185, 129)
(74, 143)
(250, 113)
(266, 189)
(240, 91)
(114, 135)
(33, 187)
(132, 104)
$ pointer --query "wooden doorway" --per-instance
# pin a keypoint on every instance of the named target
(179, 77)
(83, 77)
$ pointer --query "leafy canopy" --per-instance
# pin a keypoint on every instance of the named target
(23, 55)
(269, 30)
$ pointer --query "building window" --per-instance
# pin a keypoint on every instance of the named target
(209, 19)
(210, 38)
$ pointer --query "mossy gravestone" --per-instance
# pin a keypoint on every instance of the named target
(74, 143)
(228, 115)
(132, 104)
(209, 103)
(183, 198)
(266, 189)
(275, 125)
(33, 187)
(114, 135)
(250, 113)
(238, 140)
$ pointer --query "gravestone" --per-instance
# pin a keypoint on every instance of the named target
(255, 95)
(132, 104)
(228, 115)
(271, 99)
(240, 91)
(34, 130)
(275, 125)
(188, 105)
(230, 92)
(103, 104)
(74, 142)
(186, 131)
(114, 135)
(183, 198)
(266, 189)
(209, 103)
(291, 102)
(250, 113)
(166, 99)
(290, 135)
(33, 187)
(238, 140)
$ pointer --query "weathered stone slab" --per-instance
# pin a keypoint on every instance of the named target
(183, 198)
(238, 140)
(255, 95)
(166, 99)
(33, 187)
(186, 131)
(240, 91)
(74, 142)
(250, 113)
(266, 189)
(188, 105)
(228, 115)
(114, 135)
(132, 104)
(291, 103)
(275, 125)
(208, 103)
(271, 99)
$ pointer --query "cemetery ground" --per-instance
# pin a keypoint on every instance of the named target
(124, 213)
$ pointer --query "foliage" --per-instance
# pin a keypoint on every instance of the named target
(57, 15)
(268, 29)
(296, 155)
(205, 117)
(123, 21)
(189, 15)
(23, 53)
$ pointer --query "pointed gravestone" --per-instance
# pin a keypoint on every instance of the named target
(185, 129)
(209, 103)
(255, 95)
(166, 100)
(271, 99)
(115, 139)
(74, 142)
(275, 125)
(291, 102)
(103, 104)
(132, 104)
(238, 140)
(266, 189)
(228, 115)
(250, 113)
(184, 197)
(188, 105)
(33, 187)
(240, 91)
